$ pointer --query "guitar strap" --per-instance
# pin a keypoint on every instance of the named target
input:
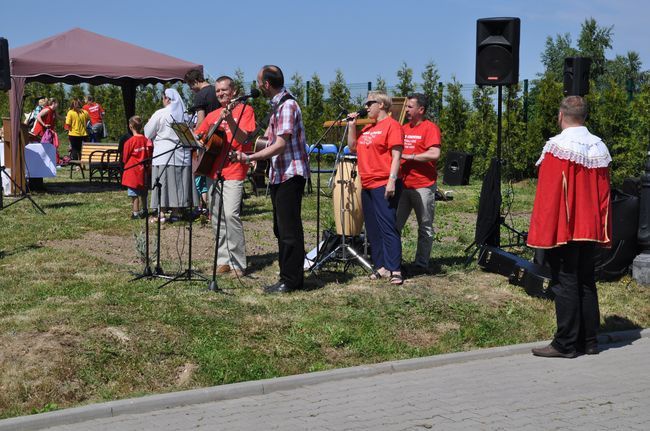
(265, 121)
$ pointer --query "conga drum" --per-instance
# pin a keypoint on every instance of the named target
(346, 195)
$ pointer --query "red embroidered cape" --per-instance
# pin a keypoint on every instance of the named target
(572, 203)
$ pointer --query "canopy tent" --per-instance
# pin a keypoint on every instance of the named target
(77, 56)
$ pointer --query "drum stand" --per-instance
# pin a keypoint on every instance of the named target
(344, 251)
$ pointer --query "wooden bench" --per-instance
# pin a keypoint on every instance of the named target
(102, 160)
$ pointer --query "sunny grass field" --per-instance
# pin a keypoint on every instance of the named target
(74, 330)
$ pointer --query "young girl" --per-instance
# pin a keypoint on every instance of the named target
(136, 178)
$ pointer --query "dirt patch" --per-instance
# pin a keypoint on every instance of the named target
(123, 250)
(37, 363)
(184, 374)
(418, 337)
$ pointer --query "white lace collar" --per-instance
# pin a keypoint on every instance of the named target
(579, 146)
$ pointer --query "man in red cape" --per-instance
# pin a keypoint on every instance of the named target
(571, 216)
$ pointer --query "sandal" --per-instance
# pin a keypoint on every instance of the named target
(396, 278)
(380, 273)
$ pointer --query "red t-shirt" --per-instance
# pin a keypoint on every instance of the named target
(417, 140)
(231, 171)
(136, 149)
(374, 151)
(95, 111)
(49, 118)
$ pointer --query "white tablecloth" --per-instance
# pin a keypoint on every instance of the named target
(40, 160)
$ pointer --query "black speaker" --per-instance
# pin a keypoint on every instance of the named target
(458, 167)
(497, 51)
(576, 76)
(614, 262)
(5, 75)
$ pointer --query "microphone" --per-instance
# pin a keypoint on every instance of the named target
(253, 94)
(362, 113)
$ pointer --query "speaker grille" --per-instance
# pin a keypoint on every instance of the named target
(495, 63)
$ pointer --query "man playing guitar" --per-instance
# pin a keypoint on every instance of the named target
(231, 256)
(288, 173)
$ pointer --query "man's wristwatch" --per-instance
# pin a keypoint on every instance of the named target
(392, 176)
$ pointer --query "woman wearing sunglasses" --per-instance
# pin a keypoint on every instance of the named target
(379, 149)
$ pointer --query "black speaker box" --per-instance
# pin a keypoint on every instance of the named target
(576, 76)
(497, 51)
(458, 167)
(614, 262)
(5, 75)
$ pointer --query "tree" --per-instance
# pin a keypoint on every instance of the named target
(148, 99)
(544, 102)
(339, 97)
(110, 97)
(481, 129)
(380, 85)
(519, 157)
(625, 71)
(593, 42)
(609, 118)
(238, 80)
(297, 88)
(260, 105)
(555, 51)
(454, 116)
(313, 113)
(430, 78)
(76, 92)
(405, 85)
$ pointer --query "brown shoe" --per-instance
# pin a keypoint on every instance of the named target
(222, 269)
(551, 352)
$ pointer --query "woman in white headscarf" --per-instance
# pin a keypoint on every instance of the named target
(174, 169)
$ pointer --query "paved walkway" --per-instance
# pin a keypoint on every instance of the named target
(504, 388)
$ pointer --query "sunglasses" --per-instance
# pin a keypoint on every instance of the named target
(369, 103)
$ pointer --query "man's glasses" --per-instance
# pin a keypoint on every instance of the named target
(369, 103)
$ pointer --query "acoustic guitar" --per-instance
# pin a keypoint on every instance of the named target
(213, 142)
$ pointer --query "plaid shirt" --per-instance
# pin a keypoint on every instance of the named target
(294, 160)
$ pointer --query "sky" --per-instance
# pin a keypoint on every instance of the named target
(364, 39)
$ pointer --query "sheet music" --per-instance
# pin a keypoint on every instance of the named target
(186, 135)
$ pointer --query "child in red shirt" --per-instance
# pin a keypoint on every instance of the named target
(136, 174)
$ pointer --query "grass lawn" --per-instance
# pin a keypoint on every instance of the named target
(75, 330)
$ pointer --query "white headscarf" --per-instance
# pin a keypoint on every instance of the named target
(176, 107)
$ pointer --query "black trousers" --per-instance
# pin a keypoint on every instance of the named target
(287, 227)
(576, 298)
(75, 147)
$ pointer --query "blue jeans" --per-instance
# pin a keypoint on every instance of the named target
(381, 227)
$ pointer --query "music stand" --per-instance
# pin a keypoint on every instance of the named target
(187, 140)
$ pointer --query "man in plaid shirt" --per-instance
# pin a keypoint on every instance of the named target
(289, 171)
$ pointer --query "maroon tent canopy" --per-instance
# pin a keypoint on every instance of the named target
(82, 56)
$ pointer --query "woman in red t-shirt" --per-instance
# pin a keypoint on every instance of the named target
(46, 119)
(136, 174)
(379, 150)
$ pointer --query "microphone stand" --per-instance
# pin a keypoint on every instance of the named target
(216, 189)
(189, 273)
(157, 272)
(318, 147)
(347, 251)
(23, 193)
